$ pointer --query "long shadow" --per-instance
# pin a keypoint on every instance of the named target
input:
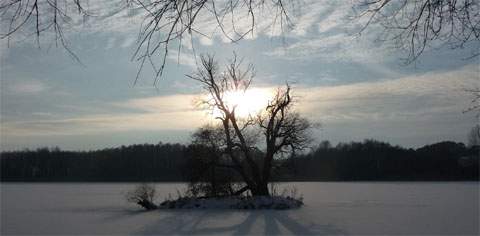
(232, 222)
(112, 213)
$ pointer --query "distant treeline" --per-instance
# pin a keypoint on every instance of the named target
(368, 160)
(373, 160)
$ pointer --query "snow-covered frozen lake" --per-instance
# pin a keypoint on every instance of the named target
(330, 208)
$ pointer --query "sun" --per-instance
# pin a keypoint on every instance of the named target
(247, 102)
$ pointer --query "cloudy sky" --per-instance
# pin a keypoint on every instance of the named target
(355, 86)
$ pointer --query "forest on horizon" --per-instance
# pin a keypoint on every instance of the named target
(369, 160)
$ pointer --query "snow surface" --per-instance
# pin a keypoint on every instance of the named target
(330, 208)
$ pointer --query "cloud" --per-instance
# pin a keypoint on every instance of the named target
(182, 58)
(415, 98)
(128, 42)
(30, 87)
(308, 18)
(409, 111)
(333, 48)
(335, 18)
(174, 112)
(162, 104)
(97, 124)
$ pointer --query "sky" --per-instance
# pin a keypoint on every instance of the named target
(355, 86)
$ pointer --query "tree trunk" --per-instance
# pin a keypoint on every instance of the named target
(261, 189)
(238, 192)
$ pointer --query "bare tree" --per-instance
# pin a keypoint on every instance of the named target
(415, 24)
(284, 130)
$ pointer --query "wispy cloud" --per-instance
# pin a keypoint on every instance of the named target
(97, 124)
(128, 42)
(174, 112)
(409, 111)
(432, 96)
(183, 58)
(29, 87)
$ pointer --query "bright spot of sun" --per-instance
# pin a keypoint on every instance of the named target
(248, 102)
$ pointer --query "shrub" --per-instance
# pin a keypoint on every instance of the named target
(143, 195)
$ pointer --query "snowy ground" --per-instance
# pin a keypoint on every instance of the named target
(330, 208)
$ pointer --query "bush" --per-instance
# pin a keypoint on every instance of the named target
(143, 195)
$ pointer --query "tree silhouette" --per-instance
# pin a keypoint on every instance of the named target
(208, 170)
(282, 129)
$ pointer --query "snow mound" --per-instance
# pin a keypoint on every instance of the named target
(263, 202)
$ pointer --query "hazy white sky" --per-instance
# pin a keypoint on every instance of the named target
(355, 87)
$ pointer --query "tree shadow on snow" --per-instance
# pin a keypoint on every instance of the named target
(235, 223)
(112, 213)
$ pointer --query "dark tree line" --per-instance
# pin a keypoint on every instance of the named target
(368, 160)
(374, 160)
(145, 162)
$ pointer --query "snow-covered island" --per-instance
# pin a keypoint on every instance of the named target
(261, 202)
(144, 196)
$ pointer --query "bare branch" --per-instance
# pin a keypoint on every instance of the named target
(413, 25)
(166, 22)
(40, 16)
